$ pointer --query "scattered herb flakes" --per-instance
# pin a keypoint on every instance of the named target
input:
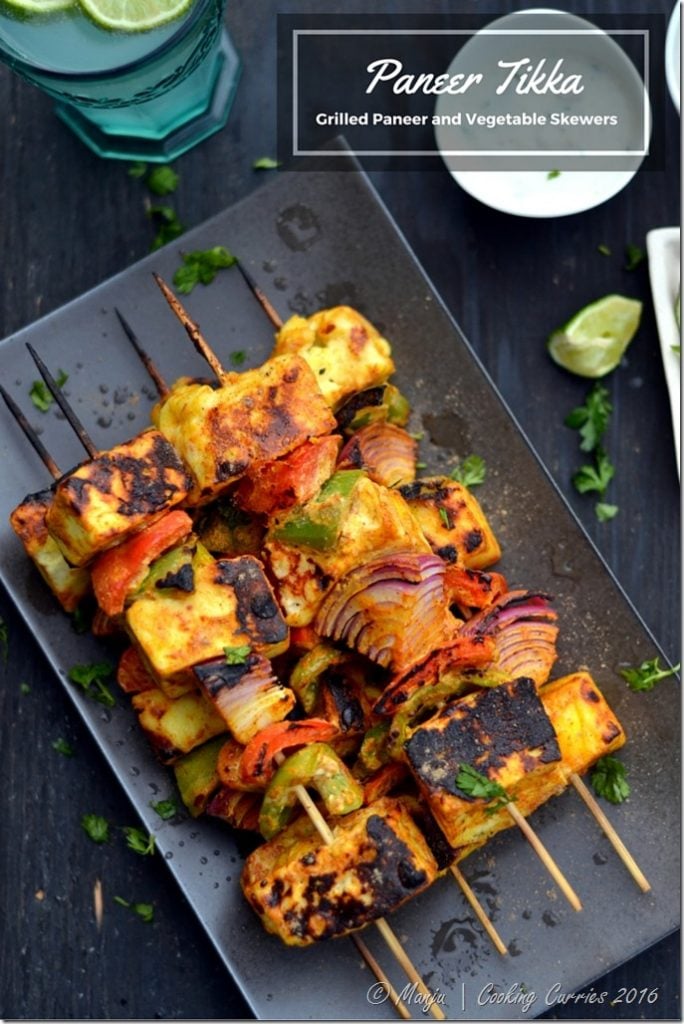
(137, 170)
(604, 511)
(40, 395)
(81, 620)
(644, 678)
(162, 180)
(237, 655)
(555, 173)
(168, 226)
(166, 809)
(91, 678)
(634, 255)
(143, 910)
(24, 688)
(4, 641)
(604, 249)
(421, 465)
(139, 841)
(444, 516)
(201, 266)
(63, 747)
(265, 163)
(471, 472)
(596, 477)
(591, 419)
(238, 358)
(95, 827)
(473, 783)
(418, 436)
(609, 781)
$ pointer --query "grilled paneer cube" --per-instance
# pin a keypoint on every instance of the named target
(453, 522)
(304, 891)
(313, 545)
(346, 353)
(194, 613)
(253, 417)
(175, 727)
(116, 494)
(69, 585)
(506, 735)
(585, 725)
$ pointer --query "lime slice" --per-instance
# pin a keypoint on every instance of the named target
(593, 342)
(134, 15)
(40, 6)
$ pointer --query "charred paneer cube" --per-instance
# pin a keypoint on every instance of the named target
(505, 734)
(304, 890)
(197, 609)
(452, 520)
(252, 417)
(176, 726)
(311, 546)
(68, 584)
(585, 725)
(115, 494)
(345, 352)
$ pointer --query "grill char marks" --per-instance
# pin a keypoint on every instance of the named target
(257, 611)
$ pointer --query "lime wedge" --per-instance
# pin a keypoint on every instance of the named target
(134, 15)
(40, 6)
(593, 342)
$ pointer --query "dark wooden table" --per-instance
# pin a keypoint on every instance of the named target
(68, 221)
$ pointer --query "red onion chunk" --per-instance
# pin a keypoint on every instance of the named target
(386, 452)
(522, 624)
(392, 609)
(247, 696)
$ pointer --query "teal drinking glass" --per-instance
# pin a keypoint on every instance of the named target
(133, 95)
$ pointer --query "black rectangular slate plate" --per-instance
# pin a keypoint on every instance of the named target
(313, 240)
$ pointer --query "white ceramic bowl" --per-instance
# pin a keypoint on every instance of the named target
(673, 54)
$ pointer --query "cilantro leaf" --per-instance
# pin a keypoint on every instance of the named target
(137, 170)
(470, 472)
(634, 255)
(138, 841)
(595, 478)
(81, 620)
(238, 358)
(604, 249)
(91, 679)
(591, 419)
(4, 641)
(200, 267)
(555, 173)
(265, 163)
(95, 827)
(237, 655)
(644, 678)
(166, 809)
(24, 688)
(608, 779)
(473, 783)
(143, 910)
(444, 516)
(168, 226)
(40, 395)
(63, 747)
(604, 511)
(162, 180)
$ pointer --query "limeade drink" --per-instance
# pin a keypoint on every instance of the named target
(138, 79)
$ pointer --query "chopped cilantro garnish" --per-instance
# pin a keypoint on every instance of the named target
(168, 226)
(95, 827)
(475, 784)
(40, 395)
(237, 655)
(162, 180)
(595, 478)
(91, 679)
(591, 419)
(143, 910)
(137, 170)
(166, 809)
(24, 688)
(200, 267)
(555, 173)
(644, 678)
(604, 249)
(444, 516)
(63, 747)
(139, 841)
(470, 472)
(604, 511)
(634, 255)
(238, 358)
(265, 163)
(608, 779)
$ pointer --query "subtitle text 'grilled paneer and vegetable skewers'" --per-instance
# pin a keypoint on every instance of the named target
(309, 616)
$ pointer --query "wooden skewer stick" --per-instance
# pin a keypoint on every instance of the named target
(380, 975)
(191, 328)
(612, 836)
(31, 435)
(261, 297)
(479, 910)
(159, 382)
(56, 393)
(545, 857)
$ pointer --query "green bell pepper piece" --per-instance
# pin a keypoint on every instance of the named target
(319, 767)
(306, 675)
(317, 524)
(196, 775)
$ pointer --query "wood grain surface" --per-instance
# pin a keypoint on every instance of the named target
(69, 220)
